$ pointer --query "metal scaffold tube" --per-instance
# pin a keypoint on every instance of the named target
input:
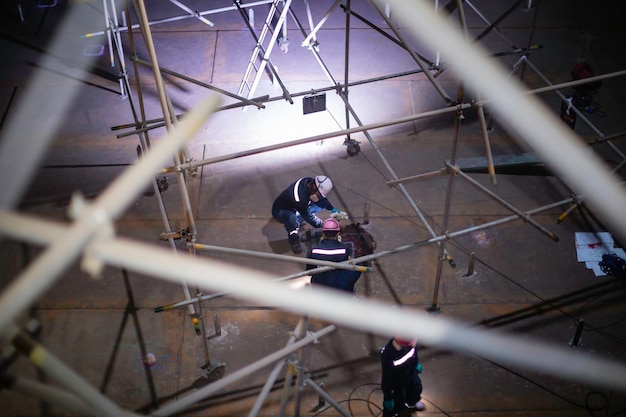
(522, 215)
(575, 109)
(95, 219)
(446, 208)
(391, 171)
(420, 63)
(298, 331)
(200, 83)
(315, 138)
(296, 259)
(145, 145)
(66, 377)
(217, 386)
(526, 116)
(309, 382)
(90, 234)
(50, 395)
(366, 315)
(41, 232)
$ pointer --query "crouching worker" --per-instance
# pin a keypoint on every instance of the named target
(331, 249)
(301, 201)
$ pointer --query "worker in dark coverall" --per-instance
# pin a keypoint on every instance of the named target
(400, 382)
(331, 249)
(301, 201)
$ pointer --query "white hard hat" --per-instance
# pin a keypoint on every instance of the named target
(324, 184)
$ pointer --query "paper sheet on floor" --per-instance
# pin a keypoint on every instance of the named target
(591, 246)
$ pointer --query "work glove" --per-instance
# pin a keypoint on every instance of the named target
(418, 368)
(338, 214)
(388, 405)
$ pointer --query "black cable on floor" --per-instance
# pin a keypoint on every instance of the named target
(373, 412)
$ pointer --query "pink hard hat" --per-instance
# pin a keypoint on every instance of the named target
(330, 225)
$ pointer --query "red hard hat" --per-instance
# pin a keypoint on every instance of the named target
(331, 225)
(402, 341)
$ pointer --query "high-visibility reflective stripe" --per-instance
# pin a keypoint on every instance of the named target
(320, 251)
(405, 358)
(295, 190)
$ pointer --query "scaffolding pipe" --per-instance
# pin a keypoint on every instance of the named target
(418, 177)
(575, 83)
(147, 35)
(286, 390)
(400, 187)
(356, 83)
(575, 109)
(222, 294)
(95, 219)
(520, 213)
(326, 396)
(291, 369)
(182, 17)
(299, 384)
(66, 377)
(265, 59)
(192, 13)
(483, 128)
(202, 393)
(145, 144)
(265, 255)
(371, 316)
(531, 32)
(388, 36)
(265, 99)
(50, 395)
(26, 133)
(274, 374)
(306, 42)
(540, 131)
(446, 208)
(200, 83)
(346, 60)
(480, 110)
(525, 116)
(493, 26)
(170, 120)
(266, 388)
(108, 32)
(45, 232)
(613, 136)
(309, 139)
(415, 57)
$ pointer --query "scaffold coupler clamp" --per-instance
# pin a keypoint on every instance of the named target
(97, 218)
(352, 146)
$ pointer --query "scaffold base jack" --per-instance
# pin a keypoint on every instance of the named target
(211, 367)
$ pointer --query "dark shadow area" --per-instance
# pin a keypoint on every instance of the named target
(271, 230)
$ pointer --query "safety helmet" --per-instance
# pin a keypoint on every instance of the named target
(330, 225)
(324, 184)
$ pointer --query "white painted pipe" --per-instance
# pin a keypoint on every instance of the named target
(366, 315)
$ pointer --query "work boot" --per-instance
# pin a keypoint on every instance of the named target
(296, 246)
(419, 406)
